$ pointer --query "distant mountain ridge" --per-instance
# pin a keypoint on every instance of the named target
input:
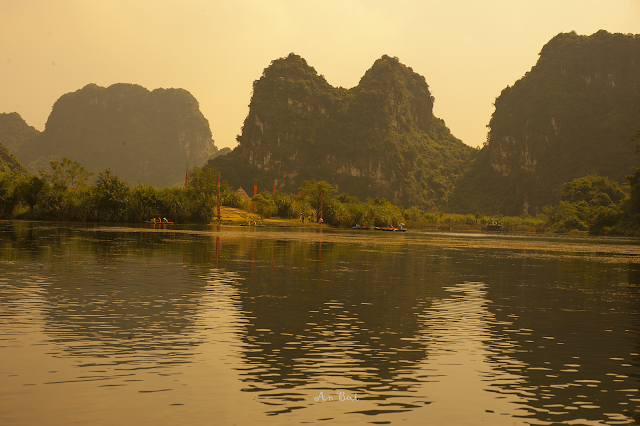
(378, 139)
(570, 116)
(144, 136)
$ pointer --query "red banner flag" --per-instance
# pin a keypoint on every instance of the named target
(255, 191)
(186, 177)
(218, 197)
(274, 187)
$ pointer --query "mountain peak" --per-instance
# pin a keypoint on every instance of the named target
(372, 140)
(146, 137)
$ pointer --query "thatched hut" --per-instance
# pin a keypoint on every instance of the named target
(243, 194)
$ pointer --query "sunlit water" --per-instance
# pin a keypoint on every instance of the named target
(200, 326)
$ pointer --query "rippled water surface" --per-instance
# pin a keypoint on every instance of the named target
(220, 325)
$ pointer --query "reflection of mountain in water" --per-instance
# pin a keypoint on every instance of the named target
(541, 339)
(459, 333)
(346, 322)
(102, 306)
(120, 314)
(573, 346)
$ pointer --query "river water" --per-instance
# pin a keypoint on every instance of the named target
(105, 325)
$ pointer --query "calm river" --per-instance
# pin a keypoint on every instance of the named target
(126, 325)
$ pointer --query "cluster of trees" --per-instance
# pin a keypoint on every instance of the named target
(592, 203)
(598, 205)
(340, 210)
(65, 194)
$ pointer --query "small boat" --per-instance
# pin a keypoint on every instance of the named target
(156, 222)
(365, 228)
(391, 229)
(492, 225)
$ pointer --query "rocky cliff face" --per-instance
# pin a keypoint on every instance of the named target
(570, 116)
(14, 131)
(145, 137)
(379, 138)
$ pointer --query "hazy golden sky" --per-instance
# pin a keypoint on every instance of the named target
(468, 51)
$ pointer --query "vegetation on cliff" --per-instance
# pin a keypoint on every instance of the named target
(378, 139)
(570, 116)
(147, 137)
(14, 131)
(9, 163)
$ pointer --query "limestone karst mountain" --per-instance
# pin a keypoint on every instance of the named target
(378, 139)
(144, 136)
(569, 117)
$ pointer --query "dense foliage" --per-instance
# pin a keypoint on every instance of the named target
(147, 137)
(65, 194)
(585, 201)
(378, 139)
(570, 116)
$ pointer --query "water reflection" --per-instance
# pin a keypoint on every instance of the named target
(121, 315)
(471, 361)
(251, 329)
(575, 337)
(319, 328)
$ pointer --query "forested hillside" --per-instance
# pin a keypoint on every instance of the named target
(14, 131)
(378, 139)
(10, 163)
(569, 117)
(145, 137)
